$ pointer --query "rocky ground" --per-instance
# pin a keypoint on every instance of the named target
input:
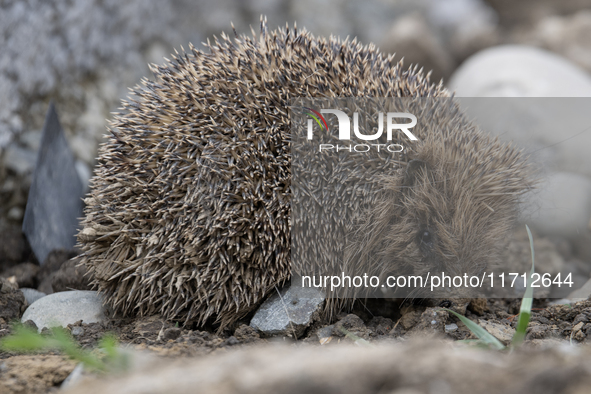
(84, 54)
(381, 346)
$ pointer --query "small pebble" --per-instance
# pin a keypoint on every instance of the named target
(578, 327)
(77, 331)
(232, 341)
(172, 333)
(451, 327)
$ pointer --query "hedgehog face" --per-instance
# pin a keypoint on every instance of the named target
(451, 219)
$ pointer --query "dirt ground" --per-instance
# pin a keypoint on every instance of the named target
(565, 326)
(377, 331)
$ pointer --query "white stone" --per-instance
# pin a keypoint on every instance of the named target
(519, 71)
(67, 307)
(561, 206)
(556, 132)
(32, 295)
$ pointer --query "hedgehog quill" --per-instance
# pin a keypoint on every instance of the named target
(189, 210)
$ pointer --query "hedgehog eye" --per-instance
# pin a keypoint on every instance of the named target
(426, 240)
(426, 237)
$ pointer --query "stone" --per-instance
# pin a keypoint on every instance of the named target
(70, 44)
(32, 295)
(351, 327)
(581, 294)
(324, 334)
(478, 306)
(77, 331)
(24, 273)
(54, 205)
(500, 331)
(432, 320)
(412, 38)
(12, 301)
(451, 327)
(20, 160)
(553, 131)
(465, 25)
(288, 314)
(31, 139)
(15, 214)
(563, 205)
(171, 333)
(380, 325)
(566, 35)
(54, 261)
(519, 71)
(67, 307)
(70, 276)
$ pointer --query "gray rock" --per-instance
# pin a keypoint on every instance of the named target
(77, 331)
(54, 205)
(465, 26)
(31, 139)
(455, 14)
(289, 314)
(15, 214)
(32, 295)
(555, 131)
(412, 38)
(49, 45)
(325, 332)
(502, 332)
(20, 160)
(563, 206)
(566, 35)
(519, 71)
(451, 327)
(581, 294)
(67, 307)
(12, 301)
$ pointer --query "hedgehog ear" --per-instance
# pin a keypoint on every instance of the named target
(413, 170)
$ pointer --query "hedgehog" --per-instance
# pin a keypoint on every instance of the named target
(189, 211)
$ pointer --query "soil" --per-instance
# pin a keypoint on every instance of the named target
(550, 324)
(379, 324)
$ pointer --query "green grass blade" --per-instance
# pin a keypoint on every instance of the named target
(71, 349)
(485, 336)
(526, 302)
(25, 340)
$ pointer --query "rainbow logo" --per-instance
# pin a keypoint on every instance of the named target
(316, 115)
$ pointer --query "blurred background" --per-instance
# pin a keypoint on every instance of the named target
(84, 55)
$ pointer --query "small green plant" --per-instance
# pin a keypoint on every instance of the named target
(25, 340)
(524, 312)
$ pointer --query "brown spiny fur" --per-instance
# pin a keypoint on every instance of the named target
(189, 210)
